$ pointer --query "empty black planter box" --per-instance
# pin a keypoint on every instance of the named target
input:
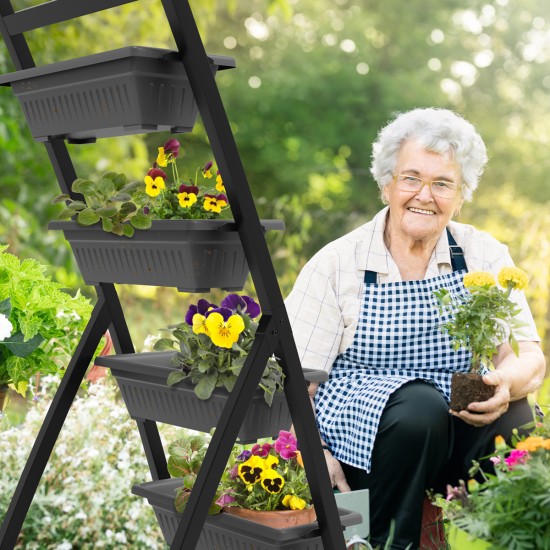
(224, 531)
(141, 378)
(191, 255)
(131, 90)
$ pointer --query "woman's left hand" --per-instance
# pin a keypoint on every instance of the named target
(482, 413)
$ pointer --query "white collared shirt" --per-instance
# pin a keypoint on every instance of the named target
(324, 304)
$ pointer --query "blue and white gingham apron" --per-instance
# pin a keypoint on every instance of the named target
(398, 339)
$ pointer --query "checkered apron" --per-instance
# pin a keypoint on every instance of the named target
(398, 339)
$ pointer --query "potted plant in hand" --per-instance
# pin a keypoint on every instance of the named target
(266, 481)
(509, 508)
(186, 244)
(38, 322)
(187, 380)
(479, 322)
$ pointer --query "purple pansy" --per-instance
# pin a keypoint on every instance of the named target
(242, 304)
(261, 450)
(225, 499)
(157, 172)
(202, 308)
(286, 445)
(189, 189)
(172, 147)
(225, 312)
(245, 455)
(207, 166)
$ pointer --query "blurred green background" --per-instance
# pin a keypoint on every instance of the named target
(315, 81)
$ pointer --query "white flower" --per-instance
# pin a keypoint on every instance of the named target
(5, 327)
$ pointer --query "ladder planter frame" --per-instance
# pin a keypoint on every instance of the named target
(274, 334)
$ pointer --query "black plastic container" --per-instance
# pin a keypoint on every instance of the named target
(224, 531)
(141, 378)
(130, 90)
(191, 255)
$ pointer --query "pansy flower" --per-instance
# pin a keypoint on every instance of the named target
(199, 324)
(261, 450)
(286, 445)
(293, 502)
(242, 304)
(272, 481)
(213, 203)
(223, 332)
(157, 172)
(153, 187)
(162, 159)
(251, 470)
(225, 499)
(219, 183)
(172, 148)
(186, 200)
(202, 307)
(245, 454)
(206, 170)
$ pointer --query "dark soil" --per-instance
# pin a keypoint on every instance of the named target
(467, 387)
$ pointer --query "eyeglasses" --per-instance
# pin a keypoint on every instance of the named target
(443, 189)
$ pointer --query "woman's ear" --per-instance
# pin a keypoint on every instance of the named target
(384, 194)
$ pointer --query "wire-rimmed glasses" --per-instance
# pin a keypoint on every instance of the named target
(414, 184)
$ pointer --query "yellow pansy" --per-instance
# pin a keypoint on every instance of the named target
(187, 199)
(271, 461)
(224, 333)
(251, 470)
(153, 187)
(479, 278)
(162, 159)
(293, 502)
(513, 277)
(272, 481)
(199, 324)
(219, 184)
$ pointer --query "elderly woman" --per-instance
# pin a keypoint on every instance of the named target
(363, 309)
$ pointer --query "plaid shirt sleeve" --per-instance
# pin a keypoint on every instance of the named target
(315, 315)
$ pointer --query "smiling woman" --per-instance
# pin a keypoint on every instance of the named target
(363, 309)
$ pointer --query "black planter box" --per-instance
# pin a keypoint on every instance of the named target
(224, 531)
(141, 378)
(191, 255)
(131, 90)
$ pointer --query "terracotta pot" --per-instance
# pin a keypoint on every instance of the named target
(276, 519)
(3, 393)
(467, 387)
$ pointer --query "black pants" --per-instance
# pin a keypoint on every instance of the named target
(420, 446)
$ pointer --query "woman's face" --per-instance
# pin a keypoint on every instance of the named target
(420, 215)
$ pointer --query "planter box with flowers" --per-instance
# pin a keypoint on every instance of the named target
(479, 322)
(180, 240)
(187, 381)
(263, 497)
(127, 91)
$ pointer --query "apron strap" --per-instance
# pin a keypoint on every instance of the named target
(457, 260)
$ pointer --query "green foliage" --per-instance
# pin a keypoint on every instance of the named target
(510, 508)
(186, 456)
(111, 200)
(45, 320)
(479, 321)
(208, 366)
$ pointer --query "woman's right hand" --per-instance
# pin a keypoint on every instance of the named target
(336, 474)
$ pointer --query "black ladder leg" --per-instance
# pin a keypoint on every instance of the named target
(47, 436)
(148, 431)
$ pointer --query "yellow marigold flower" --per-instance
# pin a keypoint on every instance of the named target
(199, 324)
(162, 159)
(500, 443)
(251, 470)
(532, 443)
(224, 333)
(153, 187)
(478, 278)
(272, 481)
(299, 458)
(513, 277)
(293, 502)
(187, 200)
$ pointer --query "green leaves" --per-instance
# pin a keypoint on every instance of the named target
(111, 200)
(210, 367)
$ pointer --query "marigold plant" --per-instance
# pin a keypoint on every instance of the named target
(486, 316)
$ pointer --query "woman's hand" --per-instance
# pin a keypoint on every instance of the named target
(482, 413)
(336, 474)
